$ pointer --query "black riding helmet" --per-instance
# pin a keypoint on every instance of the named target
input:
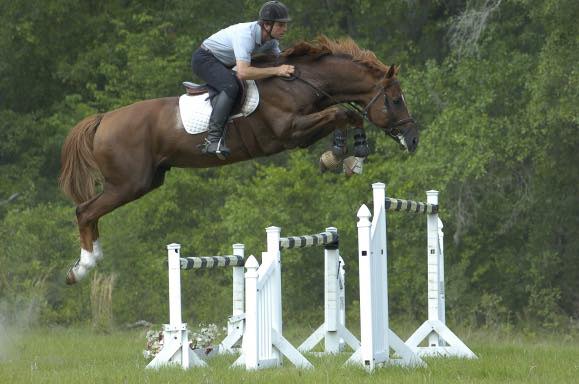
(274, 11)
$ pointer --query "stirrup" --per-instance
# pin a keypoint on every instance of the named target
(215, 148)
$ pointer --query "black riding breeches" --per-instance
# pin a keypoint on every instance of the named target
(212, 71)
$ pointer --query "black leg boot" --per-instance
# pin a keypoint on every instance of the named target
(361, 148)
(339, 148)
(215, 141)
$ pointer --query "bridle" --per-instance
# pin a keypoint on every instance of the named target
(392, 129)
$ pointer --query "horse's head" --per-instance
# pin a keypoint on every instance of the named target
(387, 109)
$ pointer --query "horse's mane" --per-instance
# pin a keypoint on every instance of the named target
(323, 46)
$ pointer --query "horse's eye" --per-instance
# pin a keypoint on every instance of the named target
(397, 101)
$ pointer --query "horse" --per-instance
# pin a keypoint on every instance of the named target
(127, 151)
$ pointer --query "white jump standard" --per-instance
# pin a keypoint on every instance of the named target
(376, 337)
(333, 331)
(176, 348)
(257, 300)
(263, 343)
(441, 340)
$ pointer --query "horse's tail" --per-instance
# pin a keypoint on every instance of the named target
(80, 172)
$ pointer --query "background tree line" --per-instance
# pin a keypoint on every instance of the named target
(492, 83)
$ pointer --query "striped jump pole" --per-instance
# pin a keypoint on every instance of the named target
(235, 322)
(176, 348)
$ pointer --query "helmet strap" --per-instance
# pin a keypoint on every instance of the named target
(264, 26)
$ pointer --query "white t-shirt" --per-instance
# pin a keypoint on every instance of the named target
(239, 42)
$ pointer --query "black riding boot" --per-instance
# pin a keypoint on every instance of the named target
(215, 141)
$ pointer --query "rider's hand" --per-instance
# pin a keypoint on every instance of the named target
(285, 70)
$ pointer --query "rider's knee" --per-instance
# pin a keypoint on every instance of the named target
(232, 89)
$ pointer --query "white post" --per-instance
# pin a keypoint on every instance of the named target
(238, 282)
(441, 340)
(442, 305)
(342, 298)
(380, 266)
(238, 291)
(236, 320)
(333, 330)
(176, 342)
(367, 325)
(331, 298)
(174, 261)
(177, 330)
(433, 257)
(274, 256)
(377, 338)
(250, 337)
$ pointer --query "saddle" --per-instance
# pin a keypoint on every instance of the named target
(193, 89)
(195, 106)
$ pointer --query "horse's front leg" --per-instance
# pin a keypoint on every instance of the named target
(352, 164)
(337, 120)
(361, 149)
(321, 124)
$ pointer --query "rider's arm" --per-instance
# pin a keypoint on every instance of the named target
(246, 72)
(243, 43)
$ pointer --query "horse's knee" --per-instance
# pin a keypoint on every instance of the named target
(347, 116)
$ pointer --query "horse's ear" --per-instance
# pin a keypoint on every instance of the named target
(396, 69)
(391, 72)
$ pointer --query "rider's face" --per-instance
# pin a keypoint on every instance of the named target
(279, 29)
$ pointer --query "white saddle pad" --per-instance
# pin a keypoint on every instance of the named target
(195, 110)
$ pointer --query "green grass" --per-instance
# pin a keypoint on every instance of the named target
(81, 356)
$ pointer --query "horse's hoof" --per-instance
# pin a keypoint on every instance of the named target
(353, 165)
(70, 279)
(328, 161)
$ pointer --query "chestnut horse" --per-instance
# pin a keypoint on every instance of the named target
(128, 150)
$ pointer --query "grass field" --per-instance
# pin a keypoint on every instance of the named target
(82, 356)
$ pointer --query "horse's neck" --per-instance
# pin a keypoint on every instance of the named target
(343, 79)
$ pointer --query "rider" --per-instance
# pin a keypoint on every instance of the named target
(234, 46)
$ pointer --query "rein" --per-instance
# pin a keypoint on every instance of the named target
(351, 106)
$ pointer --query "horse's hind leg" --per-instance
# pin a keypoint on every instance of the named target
(96, 246)
(88, 215)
